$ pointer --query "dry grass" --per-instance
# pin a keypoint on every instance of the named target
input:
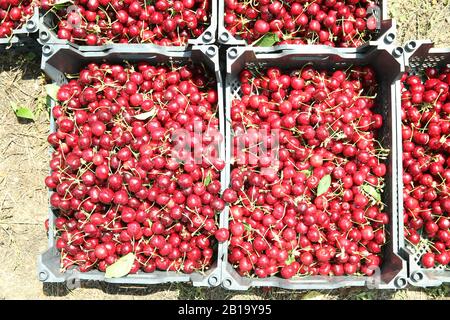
(23, 166)
(23, 196)
(422, 19)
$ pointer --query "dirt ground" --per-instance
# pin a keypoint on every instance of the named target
(422, 19)
(23, 195)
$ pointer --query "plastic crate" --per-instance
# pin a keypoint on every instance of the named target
(385, 34)
(389, 66)
(22, 34)
(58, 60)
(47, 35)
(418, 55)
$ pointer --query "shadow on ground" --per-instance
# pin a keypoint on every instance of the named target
(188, 292)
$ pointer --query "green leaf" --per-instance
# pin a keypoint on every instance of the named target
(367, 295)
(371, 191)
(52, 91)
(58, 5)
(30, 56)
(24, 113)
(146, 115)
(121, 267)
(267, 40)
(208, 179)
(324, 184)
(308, 172)
(290, 259)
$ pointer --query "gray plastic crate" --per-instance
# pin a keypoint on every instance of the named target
(47, 35)
(58, 60)
(388, 63)
(385, 34)
(22, 34)
(418, 55)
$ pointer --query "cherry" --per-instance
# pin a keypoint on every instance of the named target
(230, 196)
(316, 161)
(428, 260)
(222, 234)
(106, 195)
(288, 271)
(443, 258)
(101, 251)
(262, 27)
(98, 128)
(102, 172)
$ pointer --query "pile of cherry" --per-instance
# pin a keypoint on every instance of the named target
(121, 183)
(347, 23)
(426, 163)
(162, 22)
(312, 207)
(13, 14)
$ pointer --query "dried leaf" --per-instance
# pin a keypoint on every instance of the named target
(313, 295)
(121, 267)
(146, 115)
(52, 91)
